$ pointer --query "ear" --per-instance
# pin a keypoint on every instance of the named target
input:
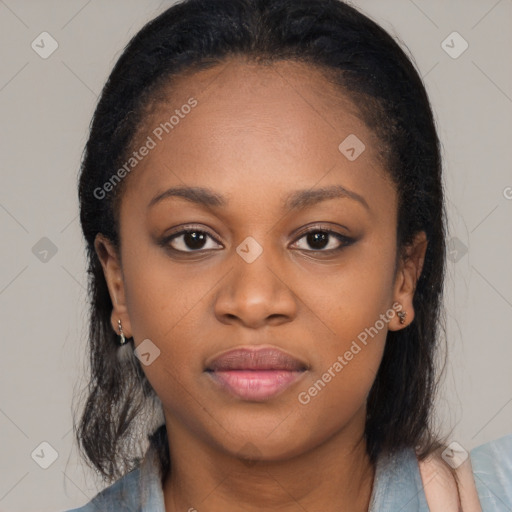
(408, 273)
(111, 263)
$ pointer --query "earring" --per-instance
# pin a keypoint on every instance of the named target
(402, 315)
(122, 341)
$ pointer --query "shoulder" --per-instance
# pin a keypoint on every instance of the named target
(402, 482)
(492, 469)
(480, 480)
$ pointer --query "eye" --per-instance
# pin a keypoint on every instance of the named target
(323, 240)
(317, 239)
(191, 240)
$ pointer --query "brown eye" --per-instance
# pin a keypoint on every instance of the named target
(191, 240)
(323, 240)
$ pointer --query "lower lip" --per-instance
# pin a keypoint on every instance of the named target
(255, 385)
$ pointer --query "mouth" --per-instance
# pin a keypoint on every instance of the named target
(255, 374)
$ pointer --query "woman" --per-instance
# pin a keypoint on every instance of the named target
(262, 202)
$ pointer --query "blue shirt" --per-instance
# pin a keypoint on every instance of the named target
(397, 485)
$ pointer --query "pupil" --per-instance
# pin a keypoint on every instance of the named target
(194, 240)
(318, 240)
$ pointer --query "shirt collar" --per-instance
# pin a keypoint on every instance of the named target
(397, 484)
(151, 492)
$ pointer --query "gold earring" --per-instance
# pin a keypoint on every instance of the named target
(122, 341)
(402, 315)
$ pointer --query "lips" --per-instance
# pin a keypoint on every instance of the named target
(255, 359)
(255, 374)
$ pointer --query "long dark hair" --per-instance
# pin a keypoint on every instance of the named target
(368, 65)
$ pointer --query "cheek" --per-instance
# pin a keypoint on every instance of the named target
(352, 311)
(160, 296)
(342, 378)
(162, 311)
(352, 296)
(166, 305)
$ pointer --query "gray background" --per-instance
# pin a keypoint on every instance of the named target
(45, 109)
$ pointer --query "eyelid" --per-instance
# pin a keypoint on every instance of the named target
(320, 227)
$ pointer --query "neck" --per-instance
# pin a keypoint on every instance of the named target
(337, 474)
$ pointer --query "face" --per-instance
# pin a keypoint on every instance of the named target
(290, 246)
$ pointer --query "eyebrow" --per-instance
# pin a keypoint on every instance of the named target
(198, 195)
(301, 199)
(296, 200)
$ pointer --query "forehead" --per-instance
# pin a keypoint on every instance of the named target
(257, 125)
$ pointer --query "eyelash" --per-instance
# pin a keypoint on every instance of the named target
(345, 241)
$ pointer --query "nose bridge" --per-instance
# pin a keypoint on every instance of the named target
(255, 291)
(254, 273)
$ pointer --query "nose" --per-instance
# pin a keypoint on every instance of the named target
(255, 294)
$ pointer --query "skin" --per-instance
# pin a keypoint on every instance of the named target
(258, 133)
